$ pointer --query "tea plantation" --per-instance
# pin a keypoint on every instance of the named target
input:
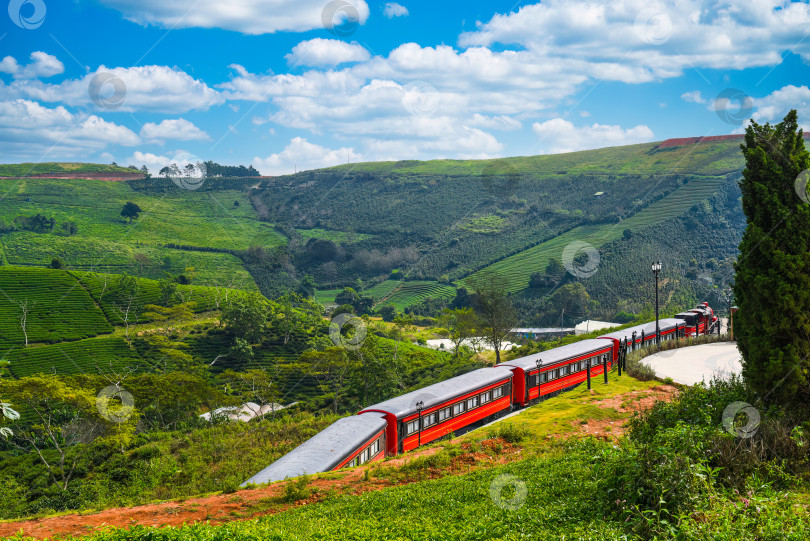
(59, 307)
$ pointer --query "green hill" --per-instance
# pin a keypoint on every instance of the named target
(441, 221)
(44, 168)
(435, 222)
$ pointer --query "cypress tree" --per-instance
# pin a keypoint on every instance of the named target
(772, 283)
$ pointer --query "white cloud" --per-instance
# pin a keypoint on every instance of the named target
(302, 155)
(246, 16)
(693, 97)
(638, 40)
(392, 9)
(29, 129)
(559, 135)
(500, 122)
(141, 88)
(155, 162)
(326, 52)
(178, 129)
(774, 106)
(42, 65)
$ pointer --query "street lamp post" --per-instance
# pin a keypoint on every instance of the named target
(539, 364)
(656, 268)
(419, 406)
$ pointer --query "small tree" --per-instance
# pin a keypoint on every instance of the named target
(131, 211)
(495, 309)
(25, 309)
(66, 419)
(462, 324)
(246, 317)
(164, 171)
(70, 228)
(388, 312)
(125, 305)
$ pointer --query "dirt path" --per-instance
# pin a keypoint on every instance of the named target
(246, 504)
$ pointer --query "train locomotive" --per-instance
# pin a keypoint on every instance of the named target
(468, 401)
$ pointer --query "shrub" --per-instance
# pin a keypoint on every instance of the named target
(511, 432)
(639, 370)
(296, 490)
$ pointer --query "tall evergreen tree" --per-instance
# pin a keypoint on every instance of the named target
(772, 283)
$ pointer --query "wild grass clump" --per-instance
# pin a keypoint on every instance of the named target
(511, 432)
(296, 490)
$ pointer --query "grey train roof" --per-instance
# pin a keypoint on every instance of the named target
(648, 328)
(437, 393)
(556, 355)
(323, 451)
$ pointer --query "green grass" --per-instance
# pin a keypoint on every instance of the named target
(519, 267)
(556, 415)
(22, 169)
(60, 309)
(485, 224)
(712, 158)
(84, 356)
(327, 296)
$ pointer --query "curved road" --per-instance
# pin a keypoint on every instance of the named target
(694, 364)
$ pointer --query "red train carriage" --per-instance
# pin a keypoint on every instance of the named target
(346, 442)
(644, 334)
(558, 369)
(430, 413)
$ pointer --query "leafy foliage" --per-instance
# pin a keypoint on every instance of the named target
(772, 283)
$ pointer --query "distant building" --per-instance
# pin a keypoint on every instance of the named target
(590, 325)
(533, 333)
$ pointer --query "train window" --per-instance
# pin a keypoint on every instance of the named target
(375, 447)
(428, 420)
(544, 377)
(472, 402)
(497, 392)
(486, 397)
(411, 427)
(458, 408)
(444, 414)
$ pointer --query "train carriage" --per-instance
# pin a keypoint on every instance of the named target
(555, 370)
(644, 334)
(346, 442)
(433, 412)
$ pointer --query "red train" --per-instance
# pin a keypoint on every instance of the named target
(470, 400)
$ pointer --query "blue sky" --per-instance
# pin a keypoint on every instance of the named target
(299, 84)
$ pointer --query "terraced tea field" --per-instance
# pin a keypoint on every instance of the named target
(59, 308)
(382, 290)
(519, 267)
(102, 286)
(415, 292)
(92, 355)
